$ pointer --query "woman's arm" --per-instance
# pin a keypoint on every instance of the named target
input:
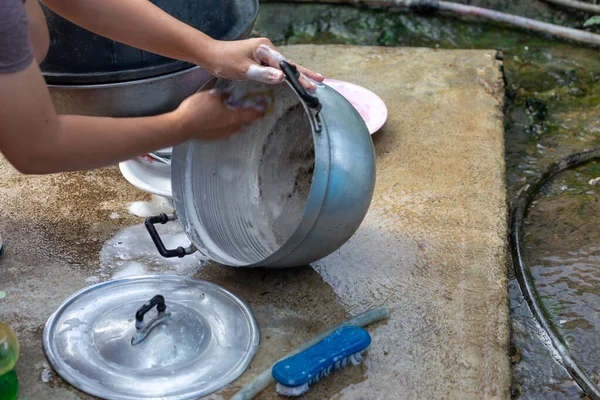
(37, 141)
(141, 24)
(138, 23)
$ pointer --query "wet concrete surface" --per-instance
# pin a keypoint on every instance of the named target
(432, 247)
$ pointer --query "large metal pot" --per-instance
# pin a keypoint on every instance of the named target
(288, 191)
(143, 90)
(129, 99)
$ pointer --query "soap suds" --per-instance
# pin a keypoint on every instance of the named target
(130, 269)
(156, 206)
(268, 55)
(134, 245)
(264, 74)
(92, 279)
(46, 375)
(285, 173)
(254, 186)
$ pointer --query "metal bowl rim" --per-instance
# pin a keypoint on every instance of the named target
(88, 86)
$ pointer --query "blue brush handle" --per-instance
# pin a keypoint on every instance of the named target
(301, 368)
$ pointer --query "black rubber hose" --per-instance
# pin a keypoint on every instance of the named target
(524, 275)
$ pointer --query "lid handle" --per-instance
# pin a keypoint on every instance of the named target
(291, 72)
(143, 329)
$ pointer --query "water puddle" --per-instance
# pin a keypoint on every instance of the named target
(564, 256)
(132, 252)
(132, 268)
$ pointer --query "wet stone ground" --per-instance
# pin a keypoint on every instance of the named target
(553, 109)
(431, 247)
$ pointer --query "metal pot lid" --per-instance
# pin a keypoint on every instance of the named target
(203, 340)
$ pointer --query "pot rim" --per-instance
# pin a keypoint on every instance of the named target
(124, 83)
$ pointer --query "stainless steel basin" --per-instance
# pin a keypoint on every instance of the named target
(129, 99)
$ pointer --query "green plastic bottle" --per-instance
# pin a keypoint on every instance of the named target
(9, 354)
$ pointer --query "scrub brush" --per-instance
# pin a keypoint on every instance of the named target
(343, 346)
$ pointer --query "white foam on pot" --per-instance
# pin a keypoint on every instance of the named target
(258, 181)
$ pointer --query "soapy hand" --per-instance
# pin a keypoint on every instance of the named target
(254, 59)
(205, 116)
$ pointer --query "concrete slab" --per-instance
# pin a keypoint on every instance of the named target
(432, 247)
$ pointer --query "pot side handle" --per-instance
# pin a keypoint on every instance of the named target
(163, 219)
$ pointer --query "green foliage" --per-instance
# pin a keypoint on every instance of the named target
(592, 21)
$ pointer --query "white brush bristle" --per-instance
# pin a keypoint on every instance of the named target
(294, 391)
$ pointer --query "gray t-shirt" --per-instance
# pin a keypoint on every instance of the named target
(15, 49)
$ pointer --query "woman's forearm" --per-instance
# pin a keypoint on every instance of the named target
(38, 141)
(93, 142)
(137, 23)
(141, 24)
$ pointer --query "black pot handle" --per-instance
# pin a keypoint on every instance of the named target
(163, 219)
(291, 72)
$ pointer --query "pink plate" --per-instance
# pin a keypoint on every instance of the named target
(368, 104)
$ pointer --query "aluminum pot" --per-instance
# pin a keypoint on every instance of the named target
(288, 191)
(129, 99)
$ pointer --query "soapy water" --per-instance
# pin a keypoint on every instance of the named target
(268, 55)
(132, 252)
(46, 374)
(132, 268)
(264, 74)
(156, 206)
(92, 280)
(285, 175)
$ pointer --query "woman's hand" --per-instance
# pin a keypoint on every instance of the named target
(255, 59)
(204, 116)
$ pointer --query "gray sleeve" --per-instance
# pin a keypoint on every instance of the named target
(15, 48)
